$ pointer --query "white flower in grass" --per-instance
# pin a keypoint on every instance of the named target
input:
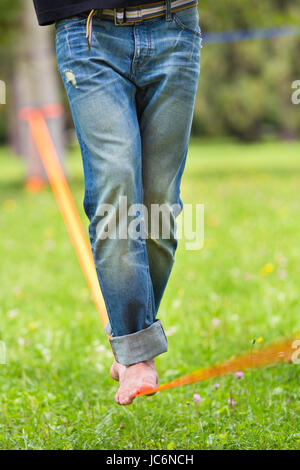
(282, 274)
(49, 245)
(21, 342)
(13, 313)
(235, 272)
(281, 296)
(274, 320)
(100, 348)
(171, 331)
(235, 317)
(176, 303)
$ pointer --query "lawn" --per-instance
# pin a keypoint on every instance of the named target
(55, 388)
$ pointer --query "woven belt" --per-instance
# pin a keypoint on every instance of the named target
(134, 14)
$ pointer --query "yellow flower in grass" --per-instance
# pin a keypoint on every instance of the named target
(259, 340)
(9, 205)
(267, 269)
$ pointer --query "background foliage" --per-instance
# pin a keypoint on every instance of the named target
(244, 89)
(55, 391)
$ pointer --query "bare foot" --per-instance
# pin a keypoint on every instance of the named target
(133, 379)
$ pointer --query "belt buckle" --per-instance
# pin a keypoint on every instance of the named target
(123, 23)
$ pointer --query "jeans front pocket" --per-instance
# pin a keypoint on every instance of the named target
(188, 20)
(69, 23)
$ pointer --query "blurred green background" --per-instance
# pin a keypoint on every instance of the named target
(245, 88)
(244, 284)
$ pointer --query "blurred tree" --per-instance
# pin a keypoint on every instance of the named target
(8, 27)
(33, 82)
(35, 85)
(245, 88)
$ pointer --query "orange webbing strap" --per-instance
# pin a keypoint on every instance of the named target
(276, 353)
(273, 354)
(41, 136)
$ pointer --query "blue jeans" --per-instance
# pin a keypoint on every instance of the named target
(132, 98)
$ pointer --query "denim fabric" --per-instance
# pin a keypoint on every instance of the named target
(132, 98)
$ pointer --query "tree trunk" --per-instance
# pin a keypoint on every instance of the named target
(35, 84)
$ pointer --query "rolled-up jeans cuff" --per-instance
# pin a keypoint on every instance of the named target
(140, 346)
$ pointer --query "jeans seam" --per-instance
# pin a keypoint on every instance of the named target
(149, 281)
(184, 27)
(83, 150)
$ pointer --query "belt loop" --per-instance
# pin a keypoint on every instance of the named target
(168, 10)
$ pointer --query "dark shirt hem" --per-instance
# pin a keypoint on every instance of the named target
(47, 17)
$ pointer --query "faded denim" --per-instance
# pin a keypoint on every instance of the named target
(132, 99)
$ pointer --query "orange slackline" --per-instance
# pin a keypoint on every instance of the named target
(273, 354)
(41, 136)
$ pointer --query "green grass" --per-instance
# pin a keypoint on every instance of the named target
(55, 388)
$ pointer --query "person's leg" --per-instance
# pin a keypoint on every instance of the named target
(167, 77)
(101, 86)
(168, 82)
(102, 99)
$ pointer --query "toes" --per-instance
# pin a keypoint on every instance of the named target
(134, 381)
(126, 398)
